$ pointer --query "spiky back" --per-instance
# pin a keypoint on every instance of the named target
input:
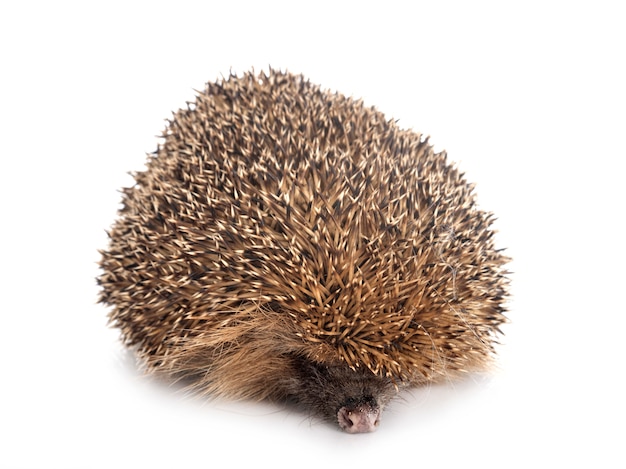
(271, 198)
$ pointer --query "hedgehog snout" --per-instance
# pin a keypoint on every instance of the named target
(362, 417)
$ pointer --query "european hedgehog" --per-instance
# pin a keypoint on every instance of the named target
(292, 244)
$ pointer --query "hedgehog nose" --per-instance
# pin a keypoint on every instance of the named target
(360, 419)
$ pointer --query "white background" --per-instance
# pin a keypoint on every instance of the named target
(528, 98)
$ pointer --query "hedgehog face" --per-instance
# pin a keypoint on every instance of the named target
(353, 398)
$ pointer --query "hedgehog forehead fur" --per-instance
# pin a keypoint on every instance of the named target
(278, 219)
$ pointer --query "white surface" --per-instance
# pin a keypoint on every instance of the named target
(528, 99)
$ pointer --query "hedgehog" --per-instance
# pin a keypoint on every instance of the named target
(291, 244)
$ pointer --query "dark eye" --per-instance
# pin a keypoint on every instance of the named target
(370, 401)
(350, 402)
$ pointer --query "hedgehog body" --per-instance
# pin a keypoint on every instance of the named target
(285, 242)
